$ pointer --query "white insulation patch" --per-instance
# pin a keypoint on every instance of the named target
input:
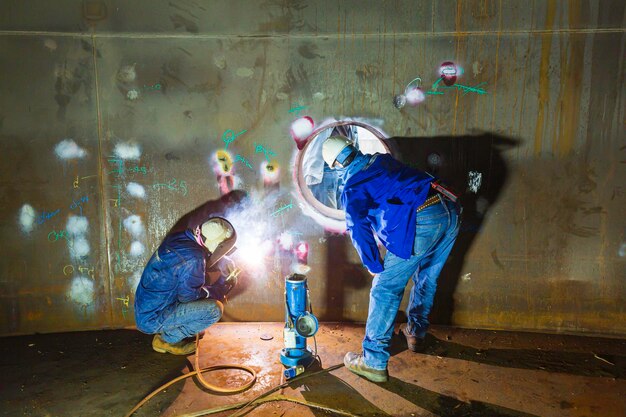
(136, 190)
(68, 149)
(77, 225)
(136, 249)
(134, 226)
(82, 290)
(27, 218)
(127, 151)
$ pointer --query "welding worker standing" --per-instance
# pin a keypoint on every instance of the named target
(173, 301)
(418, 227)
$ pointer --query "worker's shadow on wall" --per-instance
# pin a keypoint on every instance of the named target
(342, 275)
(475, 167)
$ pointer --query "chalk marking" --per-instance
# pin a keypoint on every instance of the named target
(228, 136)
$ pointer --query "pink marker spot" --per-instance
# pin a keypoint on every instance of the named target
(448, 72)
(302, 252)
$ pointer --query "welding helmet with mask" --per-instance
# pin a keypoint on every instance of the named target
(338, 149)
(218, 236)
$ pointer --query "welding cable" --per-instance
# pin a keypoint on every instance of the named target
(215, 388)
(198, 372)
(281, 386)
(276, 397)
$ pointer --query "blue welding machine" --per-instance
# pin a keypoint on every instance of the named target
(300, 323)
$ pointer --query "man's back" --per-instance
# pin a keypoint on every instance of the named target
(382, 195)
(171, 273)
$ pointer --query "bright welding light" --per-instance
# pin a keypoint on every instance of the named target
(252, 231)
(248, 252)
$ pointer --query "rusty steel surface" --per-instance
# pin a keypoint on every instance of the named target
(463, 372)
(112, 115)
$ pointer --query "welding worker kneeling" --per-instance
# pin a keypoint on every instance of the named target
(417, 221)
(173, 301)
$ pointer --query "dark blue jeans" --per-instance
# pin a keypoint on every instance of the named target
(188, 319)
(436, 230)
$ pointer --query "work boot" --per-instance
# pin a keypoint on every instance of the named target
(414, 343)
(354, 362)
(184, 347)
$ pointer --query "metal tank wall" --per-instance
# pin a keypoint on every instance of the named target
(117, 118)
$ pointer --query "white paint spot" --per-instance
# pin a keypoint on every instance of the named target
(127, 151)
(285, 240)
(68, 149)
(136, 190)
(622, 250)
(434, 160)
(82, 290)
(137, 249)
(282, 96)
(474, 181)
(476, 68)
(415, 96)
(220, 61)
(301, 128)
(127, 74)
(133, 94)
(50, 44)
(244, 72)
(134, 225)
(467, 277)
(77, 225)
(319, 96)
(27, 218)
(79, 247)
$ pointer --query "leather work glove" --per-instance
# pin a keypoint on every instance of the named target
(227, 266)
(218, 290)
(230, 271)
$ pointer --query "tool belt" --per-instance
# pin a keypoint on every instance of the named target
(436, 194)
(430, 201)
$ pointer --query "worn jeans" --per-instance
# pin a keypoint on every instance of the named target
(188, 319)
(436, 230)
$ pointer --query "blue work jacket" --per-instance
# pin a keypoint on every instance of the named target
(380, 196)
(174, 274)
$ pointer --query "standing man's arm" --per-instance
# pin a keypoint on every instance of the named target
(357, 207)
